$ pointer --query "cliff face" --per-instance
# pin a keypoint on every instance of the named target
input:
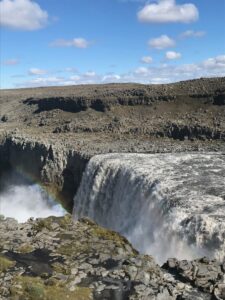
(50, 133)
(59, 170)
(105, 97)
(186, 110)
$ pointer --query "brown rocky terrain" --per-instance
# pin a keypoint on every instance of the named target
(182, 111)
(50, 134)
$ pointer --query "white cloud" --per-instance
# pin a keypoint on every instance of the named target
(35, 71)
(90, 74)
(42, 81)
(172, 55)
(45, 80)
(192, 33)
(166, 73)
(75, 78)
(11, 62)
(218, 62)
(76, 42)
(167, 11)
(211, 67)
(146, 59)
(163, 73)
(161, 42)
(22, 15)
(111, 78)
(143, 71)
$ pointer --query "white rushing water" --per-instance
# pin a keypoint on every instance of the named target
(167, 205)
(22, 202)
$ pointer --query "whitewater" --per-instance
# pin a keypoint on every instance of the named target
(166, 205)
(22, 200)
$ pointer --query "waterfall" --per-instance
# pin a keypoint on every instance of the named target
(167, 205)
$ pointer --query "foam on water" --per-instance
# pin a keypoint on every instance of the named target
(165, 204)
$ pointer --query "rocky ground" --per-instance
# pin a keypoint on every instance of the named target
(55, 258)
(50, 134)
(119, 117)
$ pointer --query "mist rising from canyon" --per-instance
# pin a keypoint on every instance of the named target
(21, 199)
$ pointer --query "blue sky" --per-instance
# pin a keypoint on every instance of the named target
(49, 42)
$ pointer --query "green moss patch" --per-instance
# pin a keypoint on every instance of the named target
(30, 288)
(25, 248)
(5, 263)
(65, 221)
(107, 234)
(60, 268)
(43, 224)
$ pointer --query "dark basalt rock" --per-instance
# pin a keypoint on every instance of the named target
(190, 132)
(219, 99)
(4, 118)
(69, 104)
(103, 98)
(35, 263)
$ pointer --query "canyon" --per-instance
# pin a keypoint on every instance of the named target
(51, 136)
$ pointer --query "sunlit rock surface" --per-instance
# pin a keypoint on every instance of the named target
(56, 258)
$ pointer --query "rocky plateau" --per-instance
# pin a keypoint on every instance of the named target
(50, 134)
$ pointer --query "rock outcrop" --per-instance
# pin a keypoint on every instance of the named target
(219, 99)
(58, 169)
(59, 165)
(104, 98)
(193, 131)
(55, 258)
(97, 119)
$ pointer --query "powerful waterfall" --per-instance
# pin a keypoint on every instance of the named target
(167, 205)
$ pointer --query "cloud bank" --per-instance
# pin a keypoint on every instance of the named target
(192, 33)
(35, 71)
(76, 42)
(22, 15)
(163, 73)
(171, 55)
(167, 11)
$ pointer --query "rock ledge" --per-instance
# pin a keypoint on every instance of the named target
(57, 258)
